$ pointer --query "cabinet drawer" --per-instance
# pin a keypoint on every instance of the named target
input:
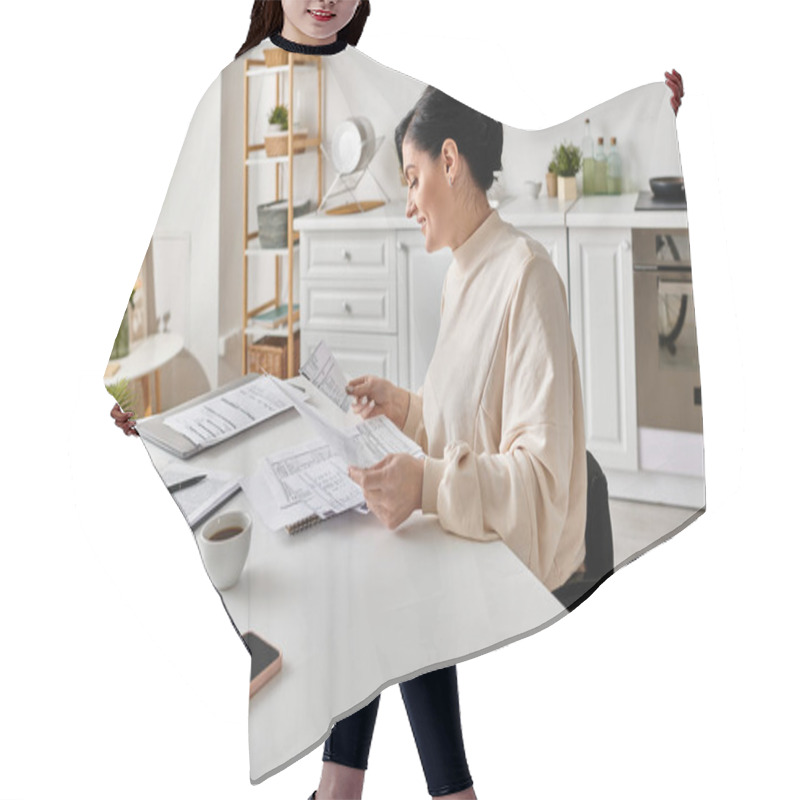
(357, 354)
(349, 308)
(353, 256)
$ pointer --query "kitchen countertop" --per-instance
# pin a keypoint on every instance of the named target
(391, 215)
(523, 211)
(618, 211)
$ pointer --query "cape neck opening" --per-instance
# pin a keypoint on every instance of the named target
(309, 49)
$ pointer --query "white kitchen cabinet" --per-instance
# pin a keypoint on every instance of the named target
(420, 278)
(348, 296)
(601, 313)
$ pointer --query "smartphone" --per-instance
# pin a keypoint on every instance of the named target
(265, 660)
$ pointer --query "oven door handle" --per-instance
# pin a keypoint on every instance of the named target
(662, 268)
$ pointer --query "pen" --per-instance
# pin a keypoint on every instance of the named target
(175, 487)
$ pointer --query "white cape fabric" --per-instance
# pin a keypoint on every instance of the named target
(354, 609)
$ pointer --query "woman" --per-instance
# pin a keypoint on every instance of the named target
(500, 416)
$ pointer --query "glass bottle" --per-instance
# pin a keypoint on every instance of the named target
(600, 168)
(588, 159)
(614, 169)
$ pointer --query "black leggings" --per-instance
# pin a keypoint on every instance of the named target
(432, 706)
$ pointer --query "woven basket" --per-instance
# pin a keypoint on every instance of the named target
(270, 354)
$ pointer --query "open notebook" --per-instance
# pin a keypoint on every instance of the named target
(200, 500)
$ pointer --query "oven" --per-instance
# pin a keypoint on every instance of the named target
(668, 396)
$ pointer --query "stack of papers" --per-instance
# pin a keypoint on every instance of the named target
(310, 481)
(230, 413)
(301, 483)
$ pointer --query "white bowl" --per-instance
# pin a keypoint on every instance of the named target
(535, 188)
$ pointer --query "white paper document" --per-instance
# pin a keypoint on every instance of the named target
(362, 445)
(230, 413)
(323, 370)
(378, 437)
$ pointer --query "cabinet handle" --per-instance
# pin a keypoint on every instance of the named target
(346, 307)
(626, 245)
(346, 255)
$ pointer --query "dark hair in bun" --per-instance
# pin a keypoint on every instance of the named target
(437, 116)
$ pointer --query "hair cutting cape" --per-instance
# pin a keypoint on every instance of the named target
(354, 607)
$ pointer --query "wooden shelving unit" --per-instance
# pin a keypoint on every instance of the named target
(255, 157)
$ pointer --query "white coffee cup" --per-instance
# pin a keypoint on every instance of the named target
(224, 555)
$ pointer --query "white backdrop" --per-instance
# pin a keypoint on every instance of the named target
(120, 674)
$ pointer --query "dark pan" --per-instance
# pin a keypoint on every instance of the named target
(668, 188)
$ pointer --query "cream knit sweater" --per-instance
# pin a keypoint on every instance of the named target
(500, 415)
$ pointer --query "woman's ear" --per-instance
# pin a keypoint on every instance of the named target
(450, 159)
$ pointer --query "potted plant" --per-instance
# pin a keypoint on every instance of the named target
(278, 119)
(552, 179)
(276, 142)
(568, 159)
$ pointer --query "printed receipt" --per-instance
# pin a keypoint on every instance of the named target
(361, 446)
(323, 371)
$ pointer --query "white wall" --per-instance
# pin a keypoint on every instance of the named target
(188, 225)
(641, 119)
(230, 228)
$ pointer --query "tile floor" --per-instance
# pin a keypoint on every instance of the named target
(635, 526)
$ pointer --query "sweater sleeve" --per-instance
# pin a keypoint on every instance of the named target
(521, 493)
(414, 426)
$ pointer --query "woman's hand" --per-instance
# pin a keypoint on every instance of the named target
(374, 396)
(392, 488)
(124, 420)
(675, 82)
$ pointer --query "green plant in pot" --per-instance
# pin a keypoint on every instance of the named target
(279, 119)
(552, 179)
(568, 159)
(276, 142)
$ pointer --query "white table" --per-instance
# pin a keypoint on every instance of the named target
(355, 607)
(148, 356)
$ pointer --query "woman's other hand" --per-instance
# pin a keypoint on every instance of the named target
(392, 488)
(124, 420)
(374, 396)
(675, 83)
